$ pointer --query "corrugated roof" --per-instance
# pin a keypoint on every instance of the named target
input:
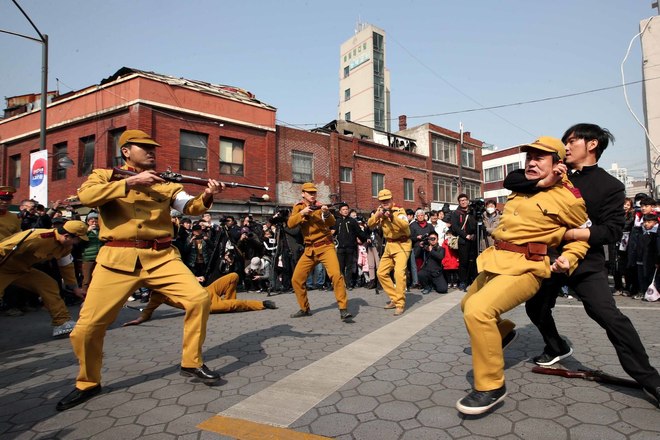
(229, 92)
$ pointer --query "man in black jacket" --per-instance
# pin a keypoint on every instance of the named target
(347, 231)
(604, 197)
(464, 226)
(430, 275)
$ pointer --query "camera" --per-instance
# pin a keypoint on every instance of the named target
(425, 242)
(477, 207)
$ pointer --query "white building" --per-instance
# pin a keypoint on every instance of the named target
(364, 81)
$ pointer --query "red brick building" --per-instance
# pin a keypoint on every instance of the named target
(224, 132)
(204, 129)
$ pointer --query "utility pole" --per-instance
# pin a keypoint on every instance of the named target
(43, 39)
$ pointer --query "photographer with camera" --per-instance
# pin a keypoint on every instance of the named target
(198, 250)
(464, 226)
(431, 276)
(347, 232)
(419, 229)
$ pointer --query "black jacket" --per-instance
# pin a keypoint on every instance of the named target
(348, 231)
(603, 194)
(432, 259)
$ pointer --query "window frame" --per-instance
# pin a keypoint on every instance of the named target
(302, 176)
(86, 153)
(377, 183)
(234, 168)
(408, 190)
(345, 172)
(187, 163)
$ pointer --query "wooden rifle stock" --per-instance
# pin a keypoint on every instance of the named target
(591, 375)
(170, 176)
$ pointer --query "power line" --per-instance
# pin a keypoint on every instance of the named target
(513, 104)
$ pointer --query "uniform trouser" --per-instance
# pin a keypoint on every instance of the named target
(487, 298)
(328, 257)
(594, 291)
(435, 280)
(223, 296)
(87, 269)
(45, 286)
(395, 256)
(346, 258)
(106, 296)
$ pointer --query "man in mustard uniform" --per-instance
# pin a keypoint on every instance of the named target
(511, 271)
(9, 222)
(223, 300)
(135, 225)
(19, 252)
(315, 221)
(396, 231)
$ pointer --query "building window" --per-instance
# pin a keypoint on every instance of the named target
(346, 175)
(347, 94)
(377, 183)
(408, 190)
(231, 156)
(512, 167)
(443, 150)
(15, 171)
(113, 145)
(86, 149)
(347, 116)
(59, 151)
(347, 70)
(302, 166)
(445, 190)
(502, 199)
(473, 190)
(467, 157)
(493, 174)
(192, 151)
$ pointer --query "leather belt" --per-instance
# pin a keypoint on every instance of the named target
(323, 242)
(398, 240)
(532, 251)
(159, 244)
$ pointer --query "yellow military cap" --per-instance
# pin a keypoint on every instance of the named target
(384, 194)
(7, 190)
(309, 187)
(136, 137)
(547, 143)
(76, 227)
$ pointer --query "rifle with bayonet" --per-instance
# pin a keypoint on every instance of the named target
(170, 176)
(591, 375)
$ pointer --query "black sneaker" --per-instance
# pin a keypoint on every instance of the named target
(509, 338)
(654, 394)
(301, 313)
(545, 359)
(269, 304)
(478, 402)
(344, 315)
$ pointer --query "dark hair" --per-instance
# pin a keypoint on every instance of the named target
(462, 195)
(410, 212)
(590, 132)
(433, 233)
(650, 217)
(647, 201)
(490, 202)
(342, 204)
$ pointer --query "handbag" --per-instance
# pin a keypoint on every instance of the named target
(652, 293)
(452, 241)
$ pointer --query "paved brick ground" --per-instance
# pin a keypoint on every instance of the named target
(408, 394)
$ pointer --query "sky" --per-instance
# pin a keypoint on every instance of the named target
(447, 59)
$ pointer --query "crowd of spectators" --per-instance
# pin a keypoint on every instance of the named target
(264, 254)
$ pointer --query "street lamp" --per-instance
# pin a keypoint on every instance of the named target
(43, 39)
(64, 160)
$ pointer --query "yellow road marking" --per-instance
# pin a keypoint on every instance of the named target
(246, 430)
